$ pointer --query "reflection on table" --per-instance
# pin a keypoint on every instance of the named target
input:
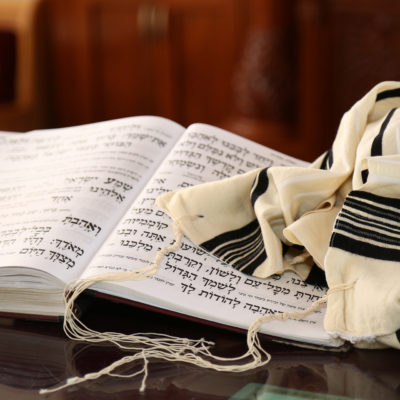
(36, 355)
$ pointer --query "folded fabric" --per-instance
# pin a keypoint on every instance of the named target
(340, 215)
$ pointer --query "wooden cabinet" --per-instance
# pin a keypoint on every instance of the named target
(280, 72)
(23, 88)
(124, 57)
(344, 49)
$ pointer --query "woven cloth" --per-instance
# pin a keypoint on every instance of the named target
(339, 217)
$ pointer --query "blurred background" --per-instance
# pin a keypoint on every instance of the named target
(280, 72)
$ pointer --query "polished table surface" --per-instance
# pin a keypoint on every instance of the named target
(36, 355)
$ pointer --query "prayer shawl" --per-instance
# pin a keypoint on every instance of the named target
(340, 215)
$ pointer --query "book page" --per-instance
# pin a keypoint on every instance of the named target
(190, 281)
(62, 191)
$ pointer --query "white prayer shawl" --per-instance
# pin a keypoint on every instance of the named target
(341, 214)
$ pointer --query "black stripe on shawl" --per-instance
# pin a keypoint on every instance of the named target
(376, 148)
(225, 237)
(260, 185)
(364, 175)
(327, 161)
(285, 247)
(363, 248)
(375, 198)
(316, 277)
(364, 233)
(253, 257)
(357, 230)
(398, 335)
(249, 257)
(252, 266)
(373, 223)
(237, 248)
(388, 94)
(376, 211)
(237, 239)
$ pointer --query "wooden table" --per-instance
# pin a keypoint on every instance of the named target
(35, 355)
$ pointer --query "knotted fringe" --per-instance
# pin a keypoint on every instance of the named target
(160, 346)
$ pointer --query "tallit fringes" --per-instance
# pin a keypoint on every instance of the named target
(75, 329)
(165, 347)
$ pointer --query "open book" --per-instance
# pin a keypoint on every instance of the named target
(80, 201)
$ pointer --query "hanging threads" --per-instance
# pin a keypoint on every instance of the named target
(160, 346)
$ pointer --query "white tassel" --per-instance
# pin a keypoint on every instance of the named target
(161, 346)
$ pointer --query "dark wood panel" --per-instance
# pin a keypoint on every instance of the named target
(281, 72)
(168, 58)
(8, 57)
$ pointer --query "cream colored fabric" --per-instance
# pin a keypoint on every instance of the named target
(342, 213)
